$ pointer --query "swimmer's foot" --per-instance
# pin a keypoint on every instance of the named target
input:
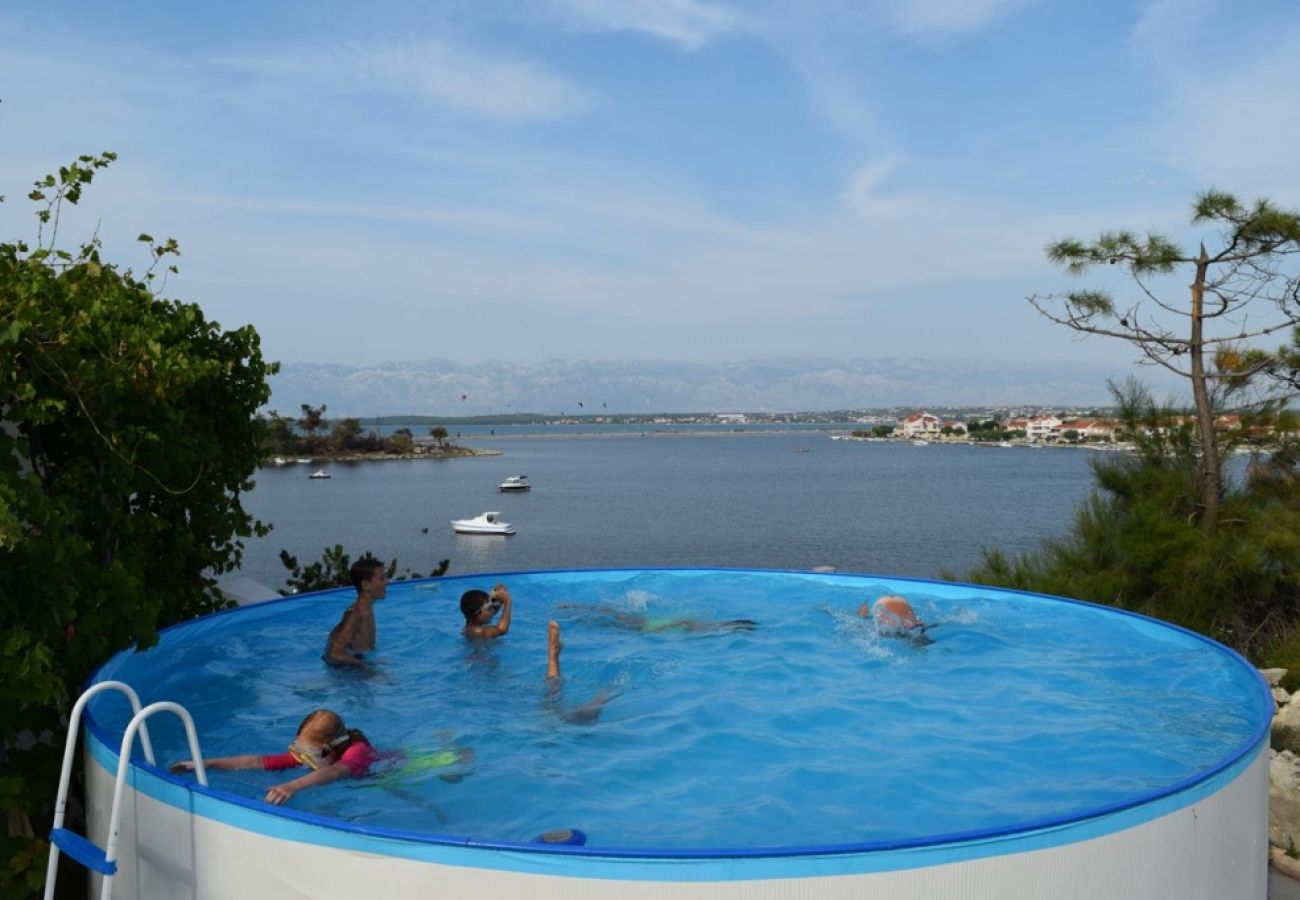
(553, 647)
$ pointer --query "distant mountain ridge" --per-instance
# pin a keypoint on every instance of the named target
(442, 387)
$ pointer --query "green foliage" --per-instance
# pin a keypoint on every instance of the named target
(331, 571)
(401, 441)
(1136, 544)
(128, 436)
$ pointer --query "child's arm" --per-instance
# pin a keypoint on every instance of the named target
(247, 761)
(502, 624)
(282, 792)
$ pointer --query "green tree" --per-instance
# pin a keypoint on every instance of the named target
(344, 435)
(1242, 291)
(128, 437)
(401, 441)
(882, 430)
(439, 434)
(278, 438)
(311, 421)
(331, 570)
(1137, 543)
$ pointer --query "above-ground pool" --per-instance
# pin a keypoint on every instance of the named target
(1035, 747)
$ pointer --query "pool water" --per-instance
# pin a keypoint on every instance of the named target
(810, 730)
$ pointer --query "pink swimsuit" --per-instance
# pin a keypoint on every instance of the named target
(358, 758)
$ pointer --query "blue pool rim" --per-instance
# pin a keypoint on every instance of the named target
(1230, 766)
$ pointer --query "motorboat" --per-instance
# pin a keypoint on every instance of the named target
(920, 443)
(319, 474)
(487, 523)
(302, 460)
(515, 484)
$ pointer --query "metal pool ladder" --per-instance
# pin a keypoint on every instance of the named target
(78, 847)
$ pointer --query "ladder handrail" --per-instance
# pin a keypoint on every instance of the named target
(124, 764)
(69, 754)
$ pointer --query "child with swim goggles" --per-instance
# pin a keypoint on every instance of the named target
(321, 744)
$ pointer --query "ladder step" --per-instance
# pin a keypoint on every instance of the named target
(83, 851)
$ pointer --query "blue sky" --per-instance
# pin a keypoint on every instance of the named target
(644, 179)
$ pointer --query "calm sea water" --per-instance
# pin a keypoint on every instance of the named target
(685, 500)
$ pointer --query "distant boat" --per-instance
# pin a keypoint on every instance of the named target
(279, 461)
(920, 443)
(302, 460)
(800, 450)
(487, 523)
(319, 474)
(1005, 444)
(515, 484)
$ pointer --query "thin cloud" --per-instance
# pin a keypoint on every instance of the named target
(1225, 116)
(940, 19)
(688, 23)
(494, 87)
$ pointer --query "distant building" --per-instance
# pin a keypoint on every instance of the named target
(920, 424)
(1043, 428)
(1091, 429)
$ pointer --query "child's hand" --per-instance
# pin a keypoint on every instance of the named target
(280, 793)
(185, 765)
(500, 593)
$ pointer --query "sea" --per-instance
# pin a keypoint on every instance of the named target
(777, 498)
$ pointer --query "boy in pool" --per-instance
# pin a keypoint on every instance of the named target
(895, 617)
(479, 609)
(354, 635)
(636, 622)
(322, 743)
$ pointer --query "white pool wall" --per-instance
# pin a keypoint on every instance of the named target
(1208, 842)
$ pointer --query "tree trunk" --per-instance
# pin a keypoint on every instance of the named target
(1208, 472)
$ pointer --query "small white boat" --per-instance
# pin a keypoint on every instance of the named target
(319, 473)
(487, 523)
(302, 460)
(279, 461)
(920, 443)
(515, 484)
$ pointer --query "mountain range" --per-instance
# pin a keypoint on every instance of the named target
(441, 387)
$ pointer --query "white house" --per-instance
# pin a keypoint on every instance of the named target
(1042, 428)
(920, 424)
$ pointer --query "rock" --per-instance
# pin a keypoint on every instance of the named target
(1273, 676)
(1288, 716)
(1284, 801)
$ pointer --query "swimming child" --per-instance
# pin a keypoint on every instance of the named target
(479, 609)
(354, 635)
(585, 714)
(895, 617)
(322, 744)
(636, 622)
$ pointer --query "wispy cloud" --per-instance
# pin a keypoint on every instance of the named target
(940, 19)
(437, 72)
(1226, 109)
(688, 23)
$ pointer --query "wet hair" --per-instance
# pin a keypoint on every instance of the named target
(364, 569)
(471, 602)
(331, 723)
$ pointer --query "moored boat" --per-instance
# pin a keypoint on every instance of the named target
(319, 474)
(515, 484)
(487, 523)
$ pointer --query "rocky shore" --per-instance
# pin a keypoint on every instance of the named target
(1284, 778)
